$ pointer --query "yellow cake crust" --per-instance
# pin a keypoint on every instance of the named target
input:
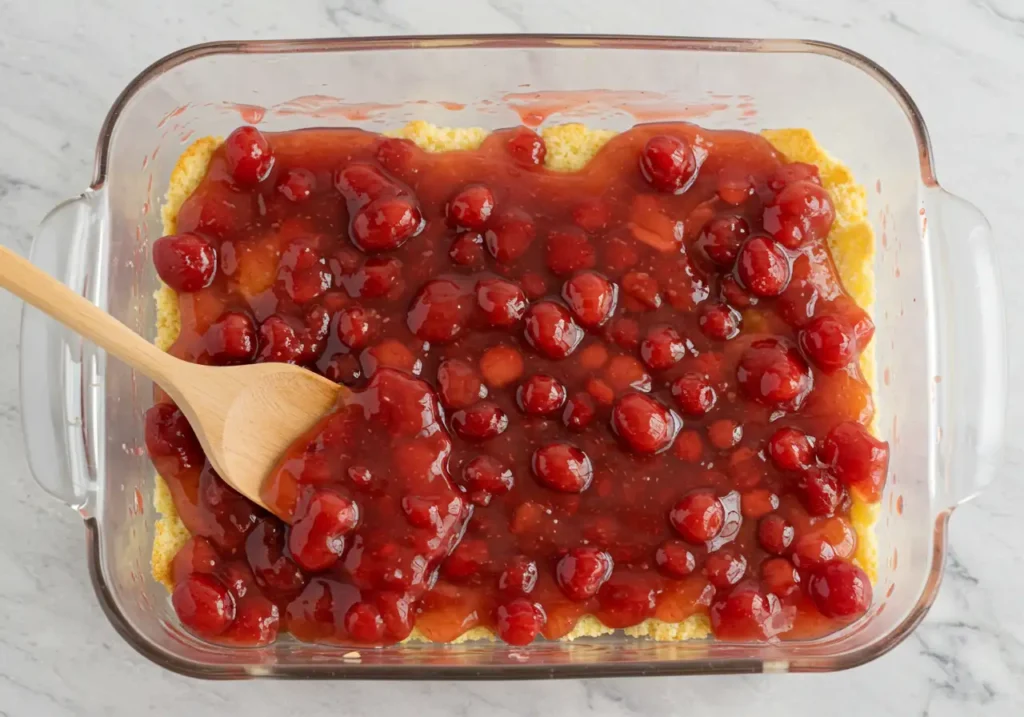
(569, 148)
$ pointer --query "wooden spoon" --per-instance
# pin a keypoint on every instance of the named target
(245, 416)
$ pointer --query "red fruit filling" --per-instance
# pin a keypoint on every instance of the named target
(591, 297)
(721, 239)
(581, 572)
(321, 522)
(644, 424)
(775, 534)
(480, 422)
(485, 477)
(725, 568)
(519, 577)
(856, 458)
(800, 212)
(747, 613)
(502, 302)
(297, 185)
(569, 325)
(185, 262)
(440, 311)
(567, 251)
(541, 395)
(662, 348)
(203, 604)
(510, 236)
(772, 372)
(231, 339)
(763, 266)
(471, 207)
(790, 450)
(719, 321)
(551, 330)
(694, 394)
(563, 467)
(668, 163)
(248, 156)
(675, 559)
(385, 224)
(840, 590)
(829, 342)
(698, 517)
(526, 147)
(519, 621)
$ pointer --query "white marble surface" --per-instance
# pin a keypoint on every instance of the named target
(62, 62)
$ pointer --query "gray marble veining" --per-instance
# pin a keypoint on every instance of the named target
(63, 62)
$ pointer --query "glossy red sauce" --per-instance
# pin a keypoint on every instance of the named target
(630, 391)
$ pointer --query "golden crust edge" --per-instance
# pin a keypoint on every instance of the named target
(570, 147)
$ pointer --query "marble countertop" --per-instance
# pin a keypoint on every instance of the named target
(63, 62)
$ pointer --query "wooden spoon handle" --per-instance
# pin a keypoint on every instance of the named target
(52, 297)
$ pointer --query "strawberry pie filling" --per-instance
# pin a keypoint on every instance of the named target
(631, 391)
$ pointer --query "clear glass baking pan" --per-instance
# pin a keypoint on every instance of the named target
(939, 340)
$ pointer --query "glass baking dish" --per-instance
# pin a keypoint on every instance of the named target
(940, 398)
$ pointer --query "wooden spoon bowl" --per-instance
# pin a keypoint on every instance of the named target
(245, 417)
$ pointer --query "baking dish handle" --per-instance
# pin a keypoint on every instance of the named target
(970, 351)
(61, 376)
